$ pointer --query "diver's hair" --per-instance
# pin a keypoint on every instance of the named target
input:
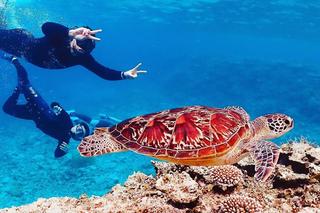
(55, 104)
(85, 26)
(86, 127)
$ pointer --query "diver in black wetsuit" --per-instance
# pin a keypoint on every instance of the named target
(53, 120)
(60, 48)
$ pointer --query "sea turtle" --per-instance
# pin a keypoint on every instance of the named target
(195, 135)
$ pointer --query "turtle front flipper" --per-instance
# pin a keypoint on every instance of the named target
(266, 155)
(101, 142)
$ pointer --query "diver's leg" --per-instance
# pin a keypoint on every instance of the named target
(23, 79)
(15, 41)
(10, 105)
(6, 56)
(34, 99)
(107, 122)
(31, 95)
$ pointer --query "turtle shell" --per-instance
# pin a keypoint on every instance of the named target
(188, 132)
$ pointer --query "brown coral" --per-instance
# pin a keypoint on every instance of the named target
(166, 167)
(224, 175)
(137, 195)
(239, 204)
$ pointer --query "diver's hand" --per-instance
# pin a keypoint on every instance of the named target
(75, 46)
(133, 73)
(64, 146)
(83, 33)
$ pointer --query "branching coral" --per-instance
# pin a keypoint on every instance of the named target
(239, 204)
(225, 175)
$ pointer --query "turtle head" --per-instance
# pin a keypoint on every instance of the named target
(272, 126)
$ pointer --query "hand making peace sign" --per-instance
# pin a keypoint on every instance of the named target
(82, 33)
(133, 73)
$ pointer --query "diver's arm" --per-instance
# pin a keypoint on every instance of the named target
(63, 136)
(104, 72)
(12, 108)
(109, 74)
(83, 117)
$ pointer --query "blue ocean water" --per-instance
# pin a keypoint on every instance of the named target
(261, 55)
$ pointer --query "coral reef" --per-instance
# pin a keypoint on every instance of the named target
(179, 187)
(295, 187)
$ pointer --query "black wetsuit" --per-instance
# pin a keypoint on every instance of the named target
(51, 51)
(36, 109)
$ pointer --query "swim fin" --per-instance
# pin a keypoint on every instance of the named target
(6, 56)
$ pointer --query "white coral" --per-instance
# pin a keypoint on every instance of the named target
(179, 187)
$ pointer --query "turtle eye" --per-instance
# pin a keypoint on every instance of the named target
(287, 122)
(270, 120)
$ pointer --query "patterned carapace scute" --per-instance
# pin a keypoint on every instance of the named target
(183, 132)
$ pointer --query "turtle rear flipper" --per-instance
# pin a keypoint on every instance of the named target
(99, 143)
(266, 155)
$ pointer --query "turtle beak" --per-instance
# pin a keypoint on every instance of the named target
(291, 123)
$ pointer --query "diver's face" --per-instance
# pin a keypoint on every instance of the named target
(78, 132)
(57, 109)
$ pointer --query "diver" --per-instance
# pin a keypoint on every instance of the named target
(53, 120)
(84, 125)
(61, 47)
